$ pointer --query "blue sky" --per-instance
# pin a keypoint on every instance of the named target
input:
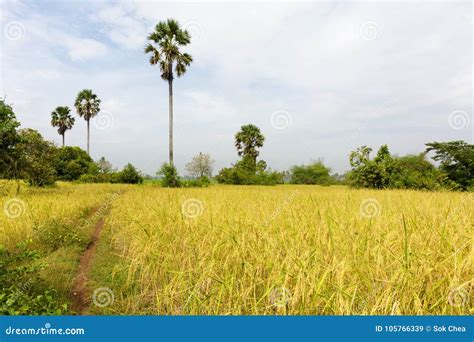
(318, 78)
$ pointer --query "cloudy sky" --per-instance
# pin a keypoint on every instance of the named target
(318, 78)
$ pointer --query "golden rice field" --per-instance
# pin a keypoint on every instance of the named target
(251, 250)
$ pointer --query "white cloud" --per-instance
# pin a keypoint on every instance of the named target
(313, 60)
(84, 49)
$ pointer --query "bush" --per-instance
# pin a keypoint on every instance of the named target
(9, 138)
(97, 178)
(36, 158)
(415, 172)
(202, 182)
(385, 171)
(128, 175)
(170, 177)
(314, 173)
(73, 162)
(23, 290)
(456, 160)
(239, 175)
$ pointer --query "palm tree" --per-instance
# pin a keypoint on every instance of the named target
(164, 46)
(247, 140)
(62, 119)
(87, 106)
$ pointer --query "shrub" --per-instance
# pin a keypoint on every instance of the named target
(97, 178)
(128, 175)
(9, 138)
(415, 172)
(36, 158)
(314, 173)
(239, 175)
(456, 160)
(202, 182)
(385, 171)
(170, 177)
(72, 162)
(23, 290)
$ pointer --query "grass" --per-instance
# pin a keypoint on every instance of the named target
(265, 250)
(47, 230)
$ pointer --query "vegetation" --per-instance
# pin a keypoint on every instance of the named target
(43, 232)
(128, 175)
(62, 119)
(87, 106)
(247, 141)
(164, 50)
(200, 166)
(227, 250)
(333, 250)
(36, 158)
(386, 171)
(457, 161)
(72, 163)
(247, 171)
(314, 173)
(9, 138)
(170, 177)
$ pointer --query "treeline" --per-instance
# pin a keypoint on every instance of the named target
(455, 171)
(26, 155)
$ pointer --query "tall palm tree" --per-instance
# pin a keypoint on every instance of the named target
(163, 48)
(87, 106)
(62, 119)
(247, 140)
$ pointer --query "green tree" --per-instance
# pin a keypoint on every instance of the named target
(247, 142)
(415, 172)
(62, 119)
(164, 49)
(456, 160)
(370, 173)
(9, 138)
(72, 162)
(87, 106)
(170, 177)
(314, 173)
(36, 158)
(128, 175)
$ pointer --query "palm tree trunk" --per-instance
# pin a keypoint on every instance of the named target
(88, 132)
(63, 139)
(170, 108)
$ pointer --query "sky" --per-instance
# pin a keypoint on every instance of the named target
(319, 78)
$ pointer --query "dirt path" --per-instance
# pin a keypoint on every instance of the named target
(81, 296)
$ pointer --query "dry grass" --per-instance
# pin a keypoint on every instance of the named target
(289, 250)
(26, 214)
(261, 250)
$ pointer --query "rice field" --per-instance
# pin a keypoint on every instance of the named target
(251, 250)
